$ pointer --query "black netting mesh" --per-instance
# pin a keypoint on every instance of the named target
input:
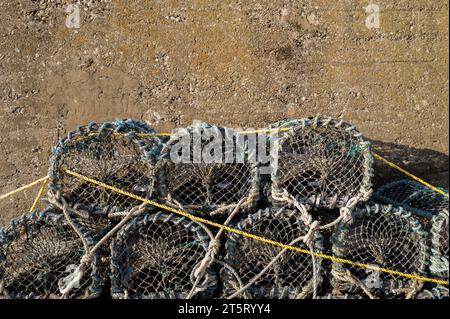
(291, 276)
(154, 256)
(197, 183)
(112, 153)
(413, 196)
(322, 162)
(36, 252)
(383, 237)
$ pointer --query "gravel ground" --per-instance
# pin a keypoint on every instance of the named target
(235, 63)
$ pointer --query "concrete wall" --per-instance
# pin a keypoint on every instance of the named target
(235, 63)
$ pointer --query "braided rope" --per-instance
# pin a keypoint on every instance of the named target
(213, 249)
(338, 295)
(437, 292)
(439, 245)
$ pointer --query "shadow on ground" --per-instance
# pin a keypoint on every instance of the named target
(429, 165)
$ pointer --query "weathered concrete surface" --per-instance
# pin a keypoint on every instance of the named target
(234, 63)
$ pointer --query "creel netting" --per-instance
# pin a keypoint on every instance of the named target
(39, 249)
(412, 196)
(154, 255)
(382, 236)
(196, 183)
(439, 245)
(322, 163)
(291, 276)
(114, 153)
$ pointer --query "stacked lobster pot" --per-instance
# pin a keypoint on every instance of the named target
(122, 154)
(156, 256)
(208, 171)
(77, 226)
(133, 210)
(422, 201)
(255, 269)
(322, 170)
(322, 163)
(431, 209)
(317, 165)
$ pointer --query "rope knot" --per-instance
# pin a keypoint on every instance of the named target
(86, 259)
(308, 238)
(345, 214)
(213, 247)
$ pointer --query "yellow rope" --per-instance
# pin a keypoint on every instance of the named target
(265, 131)
(379, 157)
(24, 187)
(39, 195)
(255, 237)
(153, 134)
(437, 190)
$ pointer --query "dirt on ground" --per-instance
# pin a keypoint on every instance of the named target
(236, 63)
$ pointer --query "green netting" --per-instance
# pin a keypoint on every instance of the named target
(413, 196)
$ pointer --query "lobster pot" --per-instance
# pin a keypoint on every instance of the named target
(205, 168)
(413, 196)
(383, 237)
(291, 276)
(321, 163)
(119, 153)
(154, 257)
(439, 245)
(39, 250)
